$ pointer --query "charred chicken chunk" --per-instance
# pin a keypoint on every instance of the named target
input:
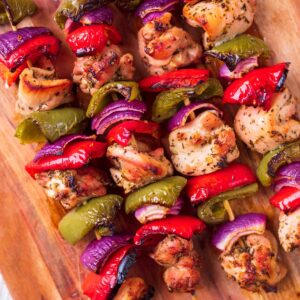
(253, 262)
(134, 288)
(91, 72)
(183, 276)
(203, 145)
(72, 187)
(39, 90)
(164, 47)
(133, 168)
(264, 131)
(221, 20)
(170, 249)
(182, 262)
(289, 230)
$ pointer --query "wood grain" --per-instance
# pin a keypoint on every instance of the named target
(37, 264)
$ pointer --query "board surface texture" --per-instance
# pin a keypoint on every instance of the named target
(37, 264)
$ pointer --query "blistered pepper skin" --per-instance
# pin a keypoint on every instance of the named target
(75, 156)
(203, 187)
(257, 87)
(183, 226)
(96, 212)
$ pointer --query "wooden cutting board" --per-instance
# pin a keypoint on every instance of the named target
(37, 264)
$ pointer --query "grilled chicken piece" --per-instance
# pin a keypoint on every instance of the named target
(289, 230)
(164, 47)
(221, 20)
(184, 276)
(264, 131)
(72, 187)
(170, 249)
(253, 262)
(133, 168)
(91, 72)
(134, 288)
(39, 90)
(203, 145)
(182, 262)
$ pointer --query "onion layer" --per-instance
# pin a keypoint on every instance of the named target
(155, 212)
(230, 232)
(102, 15)
(180, 118)
(288, 175)
(118, 111)
(97, 251)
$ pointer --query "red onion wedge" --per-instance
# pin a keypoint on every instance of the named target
(241, 69)
(151, 9)
(98, 251)
(155, 212)
(230, 232)
(102, 15)
(288, 175)
(12, 40)
(70, 26)
(118, 111)
(180, 118)
(57, 148)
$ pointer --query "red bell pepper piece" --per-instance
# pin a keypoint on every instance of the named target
(90, 40)
(10, 77)
(257, 87)
(287, 199)
(122, 132)
(99, 287)
(176, 79)
(201, 188)
(183, 226)
(42, 45)
(75, 156)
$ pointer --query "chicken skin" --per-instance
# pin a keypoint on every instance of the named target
(133, 168)
(134, 288)
(91, 72)
(253, 263)
(203, 145)
(39, 90)
(164, 47)
(289, 230)
(72, 187)
(182, 263)
(221, 20)
(264, 131)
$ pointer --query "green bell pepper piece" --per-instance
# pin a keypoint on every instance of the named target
(128, 89)
(96, 212)
(213, 211)
(167, 103)
(239, 48)
(274, 159)
(164, 192)
(75, 9)
(19, 9)
(50, 125)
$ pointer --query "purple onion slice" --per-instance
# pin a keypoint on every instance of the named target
(150, 9)
(98, 251)
(70, 26)
(180, 118)
(241, 69)
(151, 212)
(102, 15)
(12, 40)
(57, 148)
(118, 111)
(230, 232)
(287, 176)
